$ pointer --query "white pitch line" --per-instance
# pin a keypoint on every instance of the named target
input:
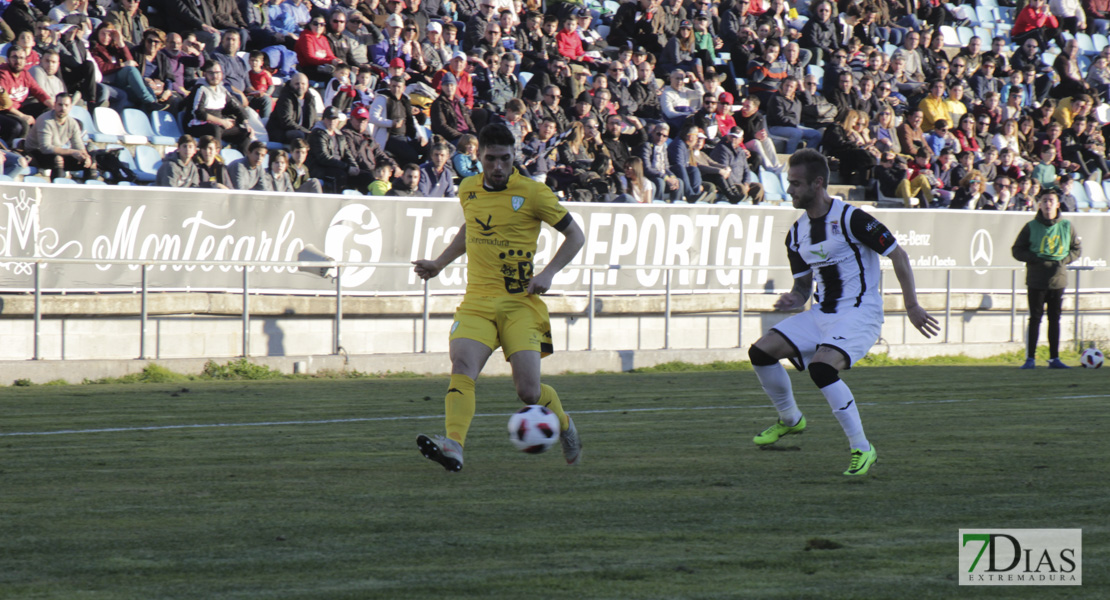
(426, 417)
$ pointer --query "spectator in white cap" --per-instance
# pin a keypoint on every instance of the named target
(436, 52)
(464, 84)
(391, 46)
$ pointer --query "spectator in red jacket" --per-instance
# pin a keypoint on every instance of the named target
(119, 68)
(17, 84)
(464, 84)
(1035, 21)
(314, 55)
(569, 42)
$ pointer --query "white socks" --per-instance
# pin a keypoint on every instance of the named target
(844, 408)
(776, 383)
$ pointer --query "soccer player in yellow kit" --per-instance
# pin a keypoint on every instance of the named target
(503, 212)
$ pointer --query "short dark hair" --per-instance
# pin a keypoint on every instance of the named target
(184, 139)
(297, 144)
(496, 134)
(278, 154)
(814, 164)
(255, 145)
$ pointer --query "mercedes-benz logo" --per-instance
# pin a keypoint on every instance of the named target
(982, 250)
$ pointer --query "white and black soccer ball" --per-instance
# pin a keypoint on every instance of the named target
(534, 429)
(1091, 358)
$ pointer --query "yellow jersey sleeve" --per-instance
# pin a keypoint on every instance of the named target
(502, 229)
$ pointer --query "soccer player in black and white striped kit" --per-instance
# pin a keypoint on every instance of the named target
(838, 246)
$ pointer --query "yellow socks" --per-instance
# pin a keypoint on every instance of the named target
(550, 398)
(459, 404)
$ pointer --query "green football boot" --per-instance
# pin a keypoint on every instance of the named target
(779, 429)
(862, 461)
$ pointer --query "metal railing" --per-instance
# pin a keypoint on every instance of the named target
(337, 267)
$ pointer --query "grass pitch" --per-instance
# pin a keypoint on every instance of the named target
(315, 489)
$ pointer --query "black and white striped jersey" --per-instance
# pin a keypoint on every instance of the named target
(842, 251)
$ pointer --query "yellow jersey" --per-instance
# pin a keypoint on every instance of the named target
(502, 229)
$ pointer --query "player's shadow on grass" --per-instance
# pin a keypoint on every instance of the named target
(778, 448)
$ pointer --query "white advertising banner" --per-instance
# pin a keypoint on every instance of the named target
(148, 223)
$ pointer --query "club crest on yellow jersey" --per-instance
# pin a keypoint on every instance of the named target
(517, 202)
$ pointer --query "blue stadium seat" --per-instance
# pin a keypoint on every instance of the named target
(1096, 194)
(230, 155)
(951, 37)
(1086, 44)
(82, 114)
(95, 182)
(136, 122)
(772, 186)
(35, 179)
(128, 160)
(109, 121)
(965, 34)
(985, 14)
(147, 162)
(352, 193)
(66, 180)
(165, 124)
(1082, 201)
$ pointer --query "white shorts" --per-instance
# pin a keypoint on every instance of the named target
(852, 333)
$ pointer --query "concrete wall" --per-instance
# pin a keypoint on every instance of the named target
(99, 336)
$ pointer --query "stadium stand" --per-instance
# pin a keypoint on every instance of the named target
(613, 66)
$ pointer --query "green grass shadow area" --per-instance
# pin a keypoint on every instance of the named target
(313, 488)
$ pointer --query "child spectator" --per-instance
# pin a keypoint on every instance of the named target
(339, 91)
(260, 95)
(465, 159)
(364, 86)
(381, 184)
(1044, 172)
(1068, 203)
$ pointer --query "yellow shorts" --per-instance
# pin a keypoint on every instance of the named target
(512, 322)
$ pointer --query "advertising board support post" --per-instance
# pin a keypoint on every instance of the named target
(424, 322)
(339, 310)
(740, 313)
(947, 302)
(246, 313)
(590, 314)
(1075, 326)
(38, 311)
(667, 313)
(142, 316)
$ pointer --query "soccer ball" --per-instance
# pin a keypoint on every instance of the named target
(1091, 358)
(534, 429)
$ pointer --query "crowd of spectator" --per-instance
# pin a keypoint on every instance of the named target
(673, 100)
